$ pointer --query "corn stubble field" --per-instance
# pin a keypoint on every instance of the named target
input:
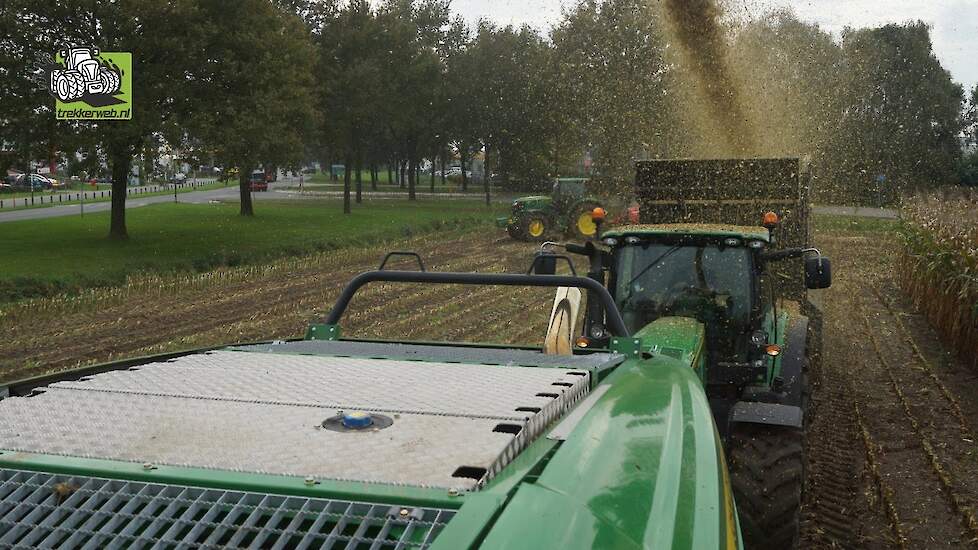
(892, 440)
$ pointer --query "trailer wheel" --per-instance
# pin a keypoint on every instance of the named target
(767, 471)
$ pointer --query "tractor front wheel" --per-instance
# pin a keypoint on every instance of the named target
(580, 224)
(767, 471)
(69, 86)
(514, 231)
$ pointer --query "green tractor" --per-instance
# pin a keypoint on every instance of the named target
(723, 298)
(566, 211)
(672, 420)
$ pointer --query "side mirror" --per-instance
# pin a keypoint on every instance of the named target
(818, 272)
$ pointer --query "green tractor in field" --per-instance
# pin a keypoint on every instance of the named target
(672, 420)
(566, 211)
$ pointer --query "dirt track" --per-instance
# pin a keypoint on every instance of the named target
(892, 443)
(892, 455)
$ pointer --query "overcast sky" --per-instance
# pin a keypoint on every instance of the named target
(954, 23)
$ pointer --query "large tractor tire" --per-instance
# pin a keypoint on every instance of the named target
(69, 86)
(579, 222)
(535, 227)
(110, 81)
(767, 471)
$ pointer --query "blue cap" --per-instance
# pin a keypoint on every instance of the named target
(357, 420)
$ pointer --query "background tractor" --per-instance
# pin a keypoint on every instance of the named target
(83, 74)
(567, 210)
(720, 295)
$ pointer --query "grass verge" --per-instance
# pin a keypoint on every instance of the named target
(66, 254)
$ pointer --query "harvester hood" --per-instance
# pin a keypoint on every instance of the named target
(661, 492)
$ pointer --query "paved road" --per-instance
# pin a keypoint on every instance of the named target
(194, 197)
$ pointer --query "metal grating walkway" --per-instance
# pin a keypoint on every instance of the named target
(39, 510)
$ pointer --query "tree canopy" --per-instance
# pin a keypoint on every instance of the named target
(269, 83)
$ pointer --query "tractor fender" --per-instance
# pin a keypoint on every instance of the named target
(793, 361)
(770, 414)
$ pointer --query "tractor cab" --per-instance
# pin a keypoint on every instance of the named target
(709, 273)
(81, 60)
(567, 191)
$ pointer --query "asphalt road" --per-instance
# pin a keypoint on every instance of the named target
(193, 197)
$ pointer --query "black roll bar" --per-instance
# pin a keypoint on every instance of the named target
(615, 323)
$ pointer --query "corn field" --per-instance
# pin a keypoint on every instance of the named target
(940, 271)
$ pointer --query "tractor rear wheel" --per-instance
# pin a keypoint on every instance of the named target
(767, 471)
(110, 81)
(579, 223)
(535, 227)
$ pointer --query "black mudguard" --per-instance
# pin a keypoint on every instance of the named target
(770, 414)
(794, 361)
(790, 411)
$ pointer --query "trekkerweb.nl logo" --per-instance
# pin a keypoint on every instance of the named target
(91, 85)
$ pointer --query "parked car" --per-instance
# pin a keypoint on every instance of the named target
(258, 181)
(37, 182)
(6, 187)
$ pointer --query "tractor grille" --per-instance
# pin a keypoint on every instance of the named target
(45, 510)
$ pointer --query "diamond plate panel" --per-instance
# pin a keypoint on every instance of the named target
(343, 382)
(423, 450)
(448, 354)
(261, 413)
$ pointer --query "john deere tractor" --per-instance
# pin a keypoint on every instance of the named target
(708, 281)
(566, 211)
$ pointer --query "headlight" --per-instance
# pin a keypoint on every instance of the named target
(610, 241)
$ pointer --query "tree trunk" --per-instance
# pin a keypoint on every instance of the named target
(53, 159)
(432, 174)
(359, 179)
(412, 173)
(462, 157)
(443, 161)
(390, 173)
(485, 174)
(347, 166)
(403, 173)
(373, 177)
(121, 162)
(244, 188)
